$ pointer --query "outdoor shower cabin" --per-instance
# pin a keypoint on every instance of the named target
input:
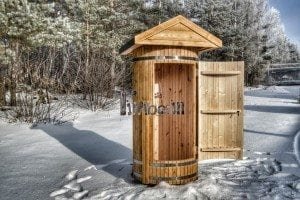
(183, 110)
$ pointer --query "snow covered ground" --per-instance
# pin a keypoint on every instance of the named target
(272, 119)
(91, 157)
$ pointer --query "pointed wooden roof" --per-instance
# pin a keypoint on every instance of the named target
(178, 31)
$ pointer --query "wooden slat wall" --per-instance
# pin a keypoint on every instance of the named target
(176, 139)
(164, 138)
(143, 124)
(220, 110)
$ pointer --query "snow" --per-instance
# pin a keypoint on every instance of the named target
(297, 146)
(58, 192)
(81, 180)
(220, 180)
(72, 175)
(272, 119)
(277, 89)
(90, 158)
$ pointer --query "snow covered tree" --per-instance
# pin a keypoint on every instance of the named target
(25, 24)
(294, 52)
(157, 11)
(73, 44)
(104, 27)
(250, 30)
(19, 23)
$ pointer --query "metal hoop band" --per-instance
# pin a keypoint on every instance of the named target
(165, 58)
(174, 177)
(174, 164)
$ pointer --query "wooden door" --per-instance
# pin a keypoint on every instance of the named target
(220, 107)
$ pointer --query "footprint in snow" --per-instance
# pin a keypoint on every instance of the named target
(90, 167)
(71, 175)
(74, 186)
(269, 169)
(59, 192)
(83, 179)
(277, 165)
(262, 153)
(297, 186)
(80, 195)
(61, 198)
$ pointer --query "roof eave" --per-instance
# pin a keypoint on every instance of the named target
(141, 39)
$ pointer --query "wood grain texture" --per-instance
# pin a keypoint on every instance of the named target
(167, 138)
(176, 139)
(220, 111)
(178, 31)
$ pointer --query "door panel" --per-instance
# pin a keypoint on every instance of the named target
(220, 103)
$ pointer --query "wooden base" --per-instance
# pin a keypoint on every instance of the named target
(174, 172)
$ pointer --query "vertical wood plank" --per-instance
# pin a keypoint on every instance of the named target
(240, 105)
(234, 104)
(205, 99)
(221, 102)
(228, 118)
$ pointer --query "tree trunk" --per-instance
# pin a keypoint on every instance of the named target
(13, 76)
(113, 73)
(87, 50)
(2, 91)
(12, 90)
(114, 54)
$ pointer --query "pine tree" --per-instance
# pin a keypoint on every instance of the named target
(104, 27)
(250, 30)
(26, 24)
(294, 53)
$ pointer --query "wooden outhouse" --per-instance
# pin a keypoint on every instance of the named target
(184, 110)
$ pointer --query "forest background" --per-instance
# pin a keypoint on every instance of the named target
(57, 49)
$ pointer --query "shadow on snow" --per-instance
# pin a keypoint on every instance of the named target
(105, 154)
(274, 109)
(267, 133)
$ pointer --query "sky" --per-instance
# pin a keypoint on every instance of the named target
(290, 16)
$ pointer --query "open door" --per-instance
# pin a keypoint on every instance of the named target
(220, 107)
